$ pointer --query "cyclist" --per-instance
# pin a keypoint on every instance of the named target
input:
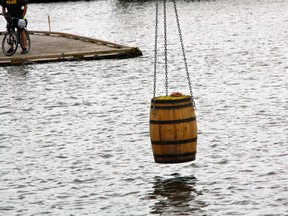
(18, 9)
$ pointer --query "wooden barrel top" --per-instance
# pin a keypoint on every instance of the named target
(49, 46)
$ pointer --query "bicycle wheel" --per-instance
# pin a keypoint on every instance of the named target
(9, 43)
(28, 41)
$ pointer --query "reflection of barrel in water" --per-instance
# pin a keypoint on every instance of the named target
(175, 196)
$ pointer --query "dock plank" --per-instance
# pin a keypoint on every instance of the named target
(59, 46)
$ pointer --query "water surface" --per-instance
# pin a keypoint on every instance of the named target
(74, 137)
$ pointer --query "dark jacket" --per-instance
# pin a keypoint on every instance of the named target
(14, 7)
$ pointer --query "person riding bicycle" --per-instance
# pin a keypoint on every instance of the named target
(18, 9)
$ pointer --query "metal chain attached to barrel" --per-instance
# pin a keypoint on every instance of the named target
(165, 48)
(184, 54)
(155, 49)
(155, 58)
(165, 51)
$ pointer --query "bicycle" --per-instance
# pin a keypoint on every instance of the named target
(12, 38)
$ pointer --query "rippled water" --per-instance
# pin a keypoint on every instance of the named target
(74, 137)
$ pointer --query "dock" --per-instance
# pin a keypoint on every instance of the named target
(48, 46)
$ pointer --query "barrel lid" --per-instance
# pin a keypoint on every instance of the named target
(171, 99)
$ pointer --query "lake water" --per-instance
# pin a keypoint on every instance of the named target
(74, 137)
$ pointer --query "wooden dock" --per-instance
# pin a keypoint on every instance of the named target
(47, 46)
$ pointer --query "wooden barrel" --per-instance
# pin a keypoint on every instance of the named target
(173, 129)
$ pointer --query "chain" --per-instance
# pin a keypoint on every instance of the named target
(155, 58)
(155, 48)
(184, 54)
(165, 48)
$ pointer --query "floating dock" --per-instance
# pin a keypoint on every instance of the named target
(48, 46)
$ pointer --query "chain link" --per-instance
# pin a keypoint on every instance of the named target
(184, 53)
(155, 48)
(165, 48)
